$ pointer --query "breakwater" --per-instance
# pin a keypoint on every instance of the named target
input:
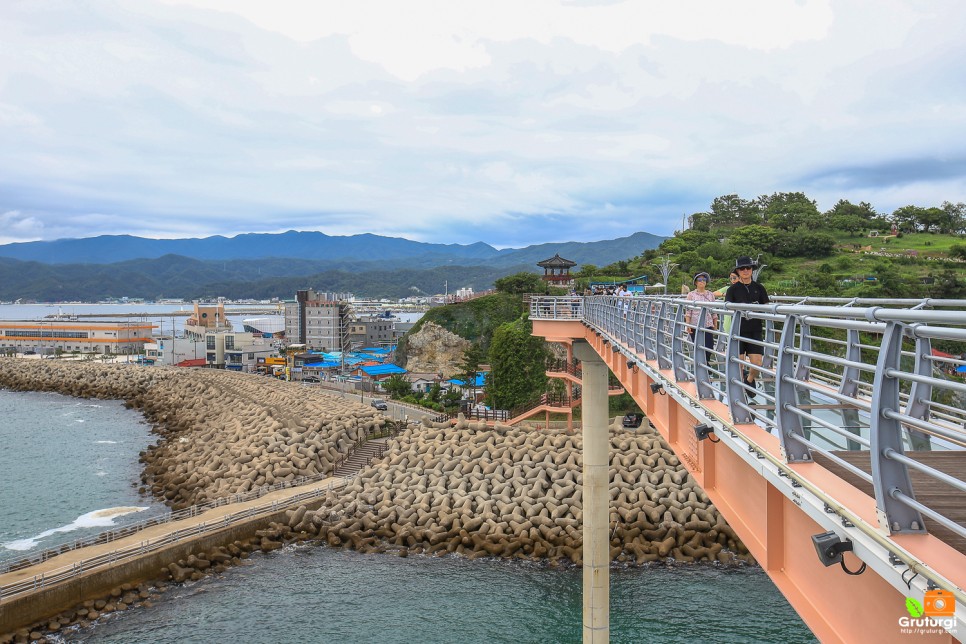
(468, 489)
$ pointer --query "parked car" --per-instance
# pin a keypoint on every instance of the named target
(311, 379)
(379, 404)
(632, 419)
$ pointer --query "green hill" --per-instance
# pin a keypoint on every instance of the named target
(847, 251)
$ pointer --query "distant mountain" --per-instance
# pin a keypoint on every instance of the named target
(293, 245)
(106, 249)
(264, 266)
(599, 253)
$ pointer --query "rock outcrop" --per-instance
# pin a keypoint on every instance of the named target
(433, 349)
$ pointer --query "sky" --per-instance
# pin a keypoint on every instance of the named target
(508, 122)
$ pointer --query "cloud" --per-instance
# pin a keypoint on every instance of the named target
(501, 122)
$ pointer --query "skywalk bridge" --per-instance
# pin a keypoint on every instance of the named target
(857, 428)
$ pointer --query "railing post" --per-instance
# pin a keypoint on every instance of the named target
(677, 345)
(850, 375)
(803, 368)
(701, 374)
(786, 396)
(768, 357)
(733, 372)
(659, 339)
(889, 475)
(648, 331)
(920, 394)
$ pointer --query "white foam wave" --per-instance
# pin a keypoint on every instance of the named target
(105, 442)
(93, 519)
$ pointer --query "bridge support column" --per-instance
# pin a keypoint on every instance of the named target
(596, 500)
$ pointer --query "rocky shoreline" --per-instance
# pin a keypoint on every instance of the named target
(468, 489)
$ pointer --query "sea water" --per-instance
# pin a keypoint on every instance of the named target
(68, 470)
(65, 460)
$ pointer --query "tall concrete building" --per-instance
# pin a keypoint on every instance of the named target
(320, 324)
(372, 331)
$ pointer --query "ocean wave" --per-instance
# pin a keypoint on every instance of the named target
(105, 442)
(93, 519)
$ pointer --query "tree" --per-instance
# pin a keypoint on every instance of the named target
(687, 240)
(933, 219)
(587, 270)
(790, 210)
(907, 217)
(759, 238)
(520, 283)
(470, 367)
(517, 365)
(397, 386)
(701, 221)
(955, 221)
(851, 224)
(732, 210)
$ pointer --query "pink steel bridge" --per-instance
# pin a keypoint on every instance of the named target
(843, 471)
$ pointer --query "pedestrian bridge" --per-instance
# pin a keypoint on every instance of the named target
(857, 428)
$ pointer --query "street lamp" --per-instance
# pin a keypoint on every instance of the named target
(666, 266)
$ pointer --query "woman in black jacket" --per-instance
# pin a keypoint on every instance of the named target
(748, 291)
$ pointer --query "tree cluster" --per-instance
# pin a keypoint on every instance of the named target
(794, 211)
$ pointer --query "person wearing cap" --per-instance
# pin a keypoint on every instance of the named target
(701, 294)
(748, 291)
(732, 278)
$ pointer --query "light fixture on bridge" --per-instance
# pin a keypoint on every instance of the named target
(704, 431)
(830, 546)
(615, 348)
(631, 365)
(658, 388)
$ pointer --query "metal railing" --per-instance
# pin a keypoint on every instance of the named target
(149, 545)
(836, 375)
(11, 564)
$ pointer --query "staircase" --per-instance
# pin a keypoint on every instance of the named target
(361, 456)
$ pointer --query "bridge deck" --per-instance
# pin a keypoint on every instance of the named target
(937, 495)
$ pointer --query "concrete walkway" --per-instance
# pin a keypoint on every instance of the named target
(210, 518)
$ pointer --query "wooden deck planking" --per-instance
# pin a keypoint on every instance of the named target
(936, 495)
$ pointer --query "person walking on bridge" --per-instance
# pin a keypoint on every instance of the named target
(748, 291)
(701, 294)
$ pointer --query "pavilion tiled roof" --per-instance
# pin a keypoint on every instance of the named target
(556, 262)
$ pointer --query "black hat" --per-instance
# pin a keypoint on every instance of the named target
(745, 261)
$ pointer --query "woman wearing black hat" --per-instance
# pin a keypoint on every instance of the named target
(748, 291)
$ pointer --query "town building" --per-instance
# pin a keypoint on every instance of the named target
(83, 336)
(318, 323)
(372, 331)
(424, 381)
(206, 318)
(234, 350)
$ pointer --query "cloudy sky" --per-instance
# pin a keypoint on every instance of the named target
(509, 122)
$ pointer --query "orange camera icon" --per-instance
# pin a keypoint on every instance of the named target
(939, 603)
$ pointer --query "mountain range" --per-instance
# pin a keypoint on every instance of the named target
(263, 265)
(308, 245)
